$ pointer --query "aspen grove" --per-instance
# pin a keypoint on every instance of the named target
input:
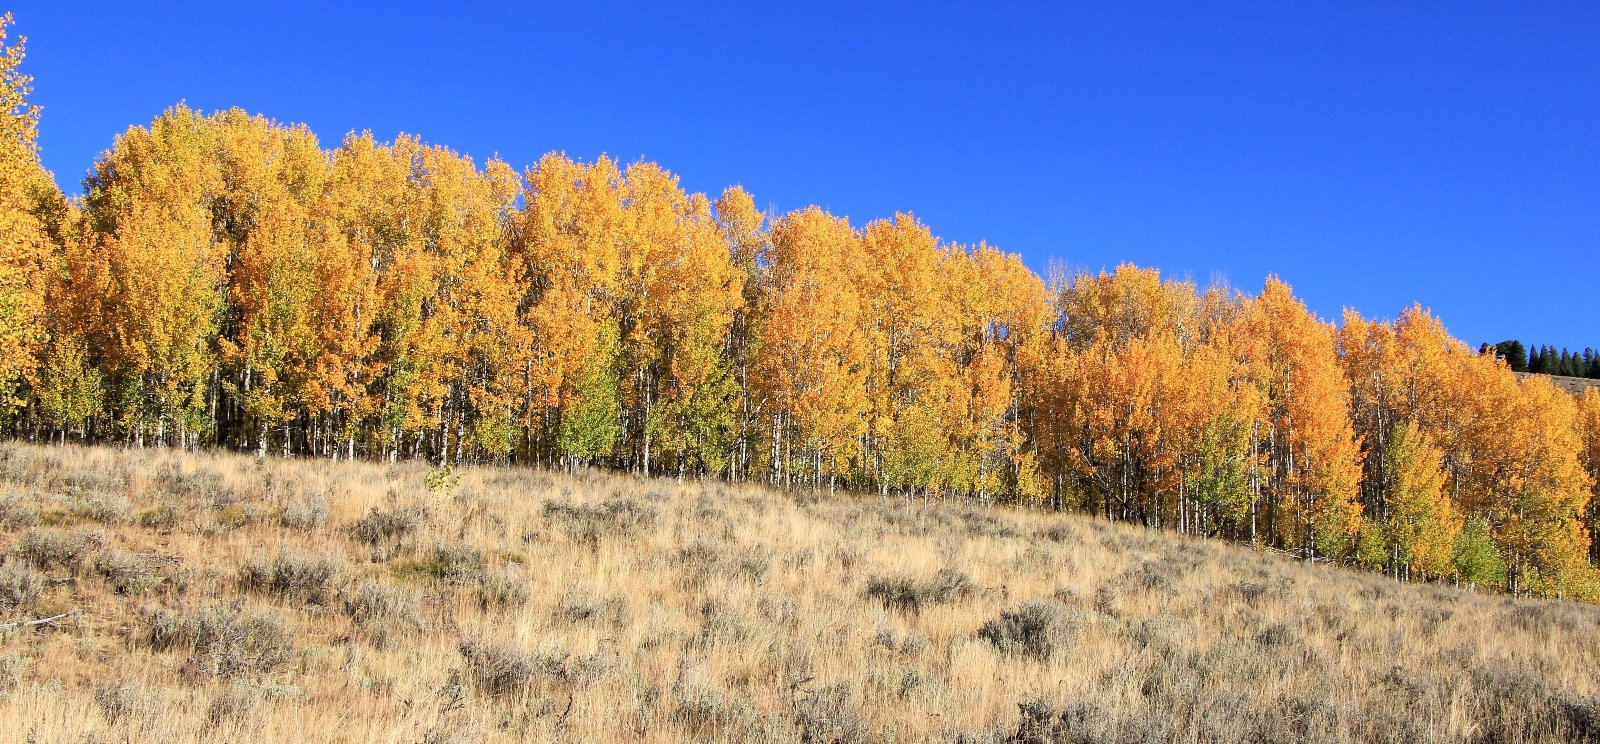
(227, 281)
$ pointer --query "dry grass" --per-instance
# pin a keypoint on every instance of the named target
(223, 598)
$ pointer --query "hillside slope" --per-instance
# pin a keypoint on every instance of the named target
(1574, 385)
(221, 597)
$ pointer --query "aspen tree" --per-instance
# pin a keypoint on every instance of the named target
(226, 279)
(153, 274)
(809, 374)
(1310, 445)
(26, 262)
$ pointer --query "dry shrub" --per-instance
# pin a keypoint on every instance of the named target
(203, 485)
(224, 639)
(699, 561)
(1041, 628)
(913, 644)
(897, 592)
(457, 562)
(20, 588)
(121, 702)
(380, 527)
(13, 668)
(56, 549)
(382, 611)
(16, 512)
(130, 573)
(312, 579)
(619, 517)
(827, 716)
(306, 515)
(106, 508)
(164, 518)
(754, 563)
(1151, 576)
(496, 667)
(905, 594)
(505, 588)
(709, 713)
(588, 669)
(1060, 533)
(986, 524)
(722, 621)
(777, 606)
(1075, 723)
(584, 606)
(232, 705)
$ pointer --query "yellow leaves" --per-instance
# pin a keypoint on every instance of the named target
(1508, 452)
(741, 226)
(812, 362)
(1589, 424)
(24, 248)
(163, 271)
(1122, 305)
(1308, 402)
(1421, 523)
(227, 273)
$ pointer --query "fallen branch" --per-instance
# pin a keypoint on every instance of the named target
(50, 621)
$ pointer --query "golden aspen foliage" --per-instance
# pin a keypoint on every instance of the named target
(1589, 423)
(271, 179)
(1539, 492)
(340, 386)
(685, 289)
(26, 190)
(1313, 466)
(1419, 521)
(809, 373)
(153, 273)
(913, 380)
(227, 281)
(1004, 333)
(567, 241)
(747, 238)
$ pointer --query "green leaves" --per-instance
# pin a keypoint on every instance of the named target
(589, 423)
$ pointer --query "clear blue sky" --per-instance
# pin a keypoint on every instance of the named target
(1372, 155)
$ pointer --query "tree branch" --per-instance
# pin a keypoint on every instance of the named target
(51, 621)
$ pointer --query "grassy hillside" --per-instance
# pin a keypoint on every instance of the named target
(1574, 385)
(220, 597)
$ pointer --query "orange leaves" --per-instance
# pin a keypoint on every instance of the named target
(1316, 465)
(25, 257)
(227, 278)
(1509, 453)
(812, 364)
(153, 268)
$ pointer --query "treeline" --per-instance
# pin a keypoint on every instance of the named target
(227, 281)
(1546, 360)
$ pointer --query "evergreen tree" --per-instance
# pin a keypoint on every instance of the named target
(1514, 354)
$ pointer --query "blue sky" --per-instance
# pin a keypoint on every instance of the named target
(1372, 155)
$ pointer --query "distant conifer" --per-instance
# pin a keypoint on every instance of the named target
(1513, 352)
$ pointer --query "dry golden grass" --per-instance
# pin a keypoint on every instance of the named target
(225, 598)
